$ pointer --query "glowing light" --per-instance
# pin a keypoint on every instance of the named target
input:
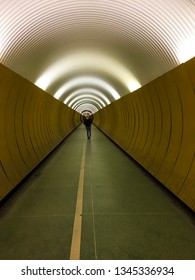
(87, 60)
(88, 107)
(84, 101)
(60, 33)
(92, 91)
(87, 80)
(44, 81)
(133, 86)
(87, 96)
(187, 50)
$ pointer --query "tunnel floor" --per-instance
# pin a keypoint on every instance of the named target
(127, 214)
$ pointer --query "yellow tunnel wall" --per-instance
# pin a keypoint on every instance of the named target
(32, 124)
(155, 125)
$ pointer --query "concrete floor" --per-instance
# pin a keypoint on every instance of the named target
(127, 214)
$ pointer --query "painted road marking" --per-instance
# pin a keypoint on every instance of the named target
(76, 237)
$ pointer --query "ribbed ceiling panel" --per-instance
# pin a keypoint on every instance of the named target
(147, 36)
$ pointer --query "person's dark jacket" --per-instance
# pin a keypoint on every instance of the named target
(87, 122)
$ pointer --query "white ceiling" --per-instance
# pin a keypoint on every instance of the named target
(89, 51)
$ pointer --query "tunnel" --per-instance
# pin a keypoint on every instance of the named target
(130, 188)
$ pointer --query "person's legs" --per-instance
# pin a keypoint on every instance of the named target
(88, 131)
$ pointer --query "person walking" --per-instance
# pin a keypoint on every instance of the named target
(87, 122)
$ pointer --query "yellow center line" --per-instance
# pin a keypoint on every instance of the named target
(76, 236)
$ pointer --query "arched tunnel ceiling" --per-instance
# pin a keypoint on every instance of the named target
(88, 51)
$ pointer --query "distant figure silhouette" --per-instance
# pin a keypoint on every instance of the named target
(87, 122)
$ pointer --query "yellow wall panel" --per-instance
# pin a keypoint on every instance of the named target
(176, 132)
(148, 124)
(125, 120)
(186, 154)
(159, 168)
(187, 190)
(20, 126)
(132, 147)
(32, 124)
(5, 183)
(130, 122)
(160, 130)
(155, 137)
(190, 68)
(142, 118)
(10, 134)
(33, 157)
(7, 125)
